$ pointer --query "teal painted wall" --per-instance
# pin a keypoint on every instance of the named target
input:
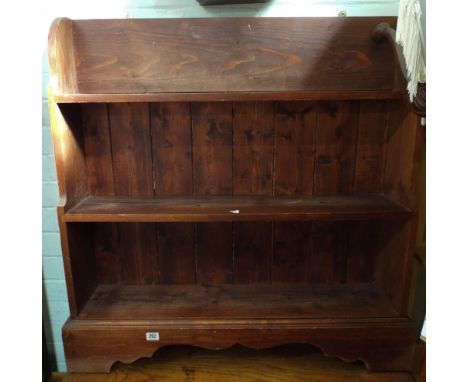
(55, 304)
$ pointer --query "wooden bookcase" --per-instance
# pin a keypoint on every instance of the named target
(233, 181)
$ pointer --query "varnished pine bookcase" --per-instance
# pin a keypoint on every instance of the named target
(233, 181)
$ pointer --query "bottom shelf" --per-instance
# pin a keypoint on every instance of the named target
(124, 323)
(225, 302)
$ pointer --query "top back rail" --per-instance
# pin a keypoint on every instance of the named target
(149, 60)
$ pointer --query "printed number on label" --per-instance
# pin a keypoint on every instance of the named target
(152, 336)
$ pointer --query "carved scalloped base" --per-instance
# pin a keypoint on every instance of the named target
(382, 344)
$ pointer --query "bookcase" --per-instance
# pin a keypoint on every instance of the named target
(232, 181)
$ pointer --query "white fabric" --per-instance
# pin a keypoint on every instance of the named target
(409, 35)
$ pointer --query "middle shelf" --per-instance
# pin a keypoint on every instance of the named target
(235, 208)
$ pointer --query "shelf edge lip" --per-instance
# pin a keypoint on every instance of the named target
(230, 96)
(145, 218)
(312, 323)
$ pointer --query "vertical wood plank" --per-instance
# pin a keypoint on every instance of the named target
(293, 250)
(176, 253)
(254, 129)
(328, 265)
(214, 253)
(108, 253)
(101, 183)
(131, 149)
(336, 147)
(362, 252)
(172, 159)
(371, 147)
(139, 253)
(98, 149)
(295, 148)
(253, 140)
(133, 176)
(310, 253)
(172, 148)
(212, 175)
(212, 148)
(335, 158)
(293, 175)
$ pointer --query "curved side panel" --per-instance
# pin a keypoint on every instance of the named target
(62, 57)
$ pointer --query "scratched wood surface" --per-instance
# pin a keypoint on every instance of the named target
(283, 364)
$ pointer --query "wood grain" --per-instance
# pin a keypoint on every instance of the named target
(337, 124)
(294, 175)
(400, 182)
(233, 54)
(251, 208)
(133, 176)
(212, 172)
(108, 253)
(98, 149)
(371, 147)
(171, 133)
(93, 346)
(253, 145)
(295, 148)
(362, 252)
(172, 148)
(318, 154)
(69, 145)
(131, 149)
(253, 250)
(224, 96)
(62, 61)
(228, 302)
(212, 148)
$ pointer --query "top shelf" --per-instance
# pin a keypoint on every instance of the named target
(221, 59)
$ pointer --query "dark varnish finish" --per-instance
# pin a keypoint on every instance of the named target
(225, 301)
(235, 181)
(337, 124)
(99, 161)
(212, 174)
(235, 208)
(371, 147)
(253, 150)
(294, 167)
(231, 55)
(133, 176)
(172, 165)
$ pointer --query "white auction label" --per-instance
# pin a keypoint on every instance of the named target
(152, 336)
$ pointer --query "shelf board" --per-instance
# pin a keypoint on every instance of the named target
(231, 96)
(236, 302)
(242, 208)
